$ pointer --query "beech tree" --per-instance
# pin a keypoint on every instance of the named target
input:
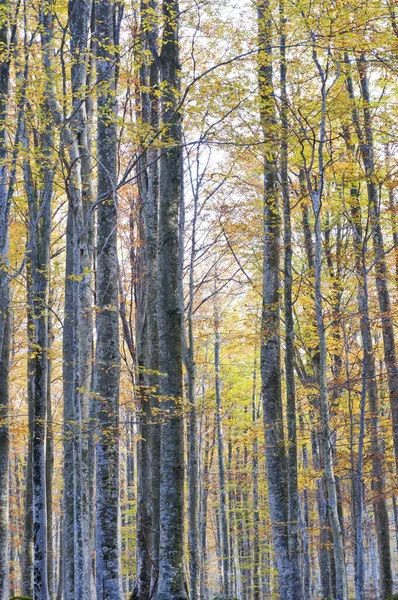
(198, 276)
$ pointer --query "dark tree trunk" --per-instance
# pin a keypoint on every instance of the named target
(107, 358)
(148, 447)
(276, 460)
(171, 584)
(4, 306)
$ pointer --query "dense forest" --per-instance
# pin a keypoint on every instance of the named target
(198, 292)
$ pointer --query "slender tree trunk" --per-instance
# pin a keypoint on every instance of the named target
(193, 445)
(378, 478)
(316, 192)
(171, 584)
(256, 512)
(107, 358)
(4, 306)
(148, 448)
(49, 466)
(390, 356)
(369, 367)
(4, 458)
(207, 463)
(80, 190)
(27, 547)
(224, 545)
(341, 580)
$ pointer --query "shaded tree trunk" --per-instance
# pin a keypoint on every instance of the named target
(148, 447)
(107, 358)
(224, 529)
(293, 495)
(4, 307)
(369, 367)
(171, 584)
(276, 460)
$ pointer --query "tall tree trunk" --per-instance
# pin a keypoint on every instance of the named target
(4, 458)
(193, 445)
(4, 305)
(226, 553)
(171, 584)
(365, 139)
(324, 551)
(367, 152)
(316, 192)
(256, 512)
(80, 192)
(207, 463)
(107, 358)
(369, 368)
(293, 495)
(39, 200)
(148, 447)
(50, 465)
(276, 460)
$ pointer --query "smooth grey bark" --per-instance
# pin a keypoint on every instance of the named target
(306, 567)
(148, 446)
(107, 356)
(50, 460)
(171, 584)
(208, 454)
(193, 445)
(360, 239)
(77, 338)
(270, 364)
(367, 152)
(325, 553)
(366, 147)
(27, 547)
(341, 580)
(224, 528)
(365, 140)
(39, 203)
(4, 306)
(4, 458)
(316, 192)
(293, 494)
(79, 295)
(256, 512)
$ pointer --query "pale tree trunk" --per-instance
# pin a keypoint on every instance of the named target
(4, 458)
(27, 547)
(107, 358)
(193, 444)
(148, 446)
(341, 581)
(383, 295)
(324, 551)
(4, 309)
(171, 583)
(49, 463)
(39, 201)
(365, 139)
(256, 512)
(276, 460)
(369, 374)
(208, 454)
(80, 245)
(326, 437)
(226, 553)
